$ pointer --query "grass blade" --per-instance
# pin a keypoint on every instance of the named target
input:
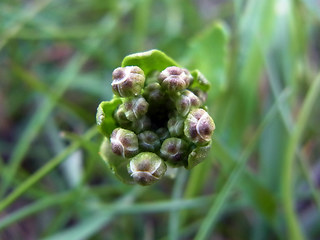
(174, 215)
(294, 229)
(18, 25)
(42, 204)
(45, 170)
(235, 173)
(38, 120)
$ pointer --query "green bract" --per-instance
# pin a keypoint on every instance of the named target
(156, 117)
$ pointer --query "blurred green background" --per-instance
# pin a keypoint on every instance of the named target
(262, 178)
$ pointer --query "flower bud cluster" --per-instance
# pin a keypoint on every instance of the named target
(161, 122)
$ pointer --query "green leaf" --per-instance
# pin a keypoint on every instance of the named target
(257, 193)
(198, 155)
(149, 61)
(104, 117)
(208, 52)
(117, 164)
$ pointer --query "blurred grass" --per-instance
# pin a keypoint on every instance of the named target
(261, 180)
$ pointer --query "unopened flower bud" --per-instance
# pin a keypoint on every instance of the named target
(202, 95)
(124, 142)
(127, 81)
(154, 93)
(120, 116)
(198, 154)
(174, 79)
(185, 101)
(146, 168)
(135, 108)
(174, 151)
(204, 84)
(141, 124)
(175, 126)
(199, 126)
(163, 134)
(149, 141)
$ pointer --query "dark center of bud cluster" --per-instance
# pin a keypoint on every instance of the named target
(161, 120)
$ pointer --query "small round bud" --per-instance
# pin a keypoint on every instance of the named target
(199, 126)
(203, 82)
(174, 79)
(149, 141)
(200, 82)
(197, 155)
(146, 168)
(120, 116)
(135, 108)
(124, 142)
(174, 150)
(185, 101)
(141, 124)
(127, 81)
(201, 95)
(175, 126)
(163, 134)
(154, 93)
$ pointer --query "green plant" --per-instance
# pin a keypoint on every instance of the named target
(260, 179)
(156, 118)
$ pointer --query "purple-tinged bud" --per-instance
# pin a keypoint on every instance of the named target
(154, 93)
(175, 126)
(146, 168)
(174, 79)
(149, 141)
(135, 108)
(201, 95)
(185, 101)
(127, 81)
(174, 151)
(124, 143)
(120, 116)
(141, 124)
(199, 126)
(163, 134)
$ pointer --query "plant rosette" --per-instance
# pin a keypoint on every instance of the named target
(156, 120)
